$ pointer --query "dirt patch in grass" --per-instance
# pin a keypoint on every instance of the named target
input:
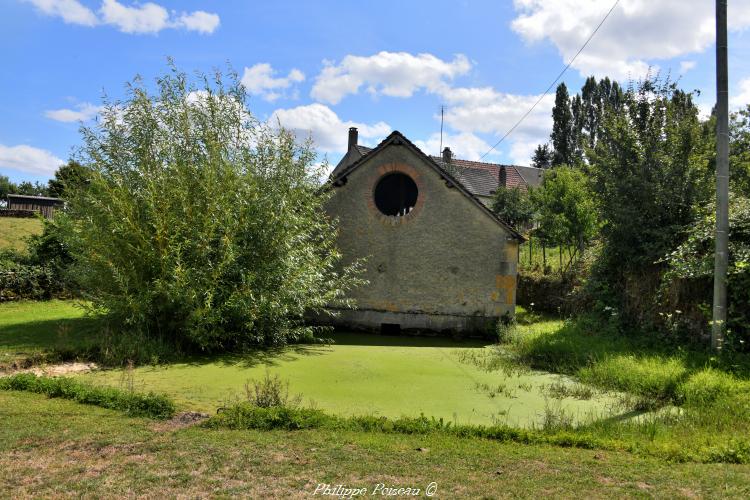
(180, 421)
(60, 369)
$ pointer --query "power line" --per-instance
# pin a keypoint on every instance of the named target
(553, 82)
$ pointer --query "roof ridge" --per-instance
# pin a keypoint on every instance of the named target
(486, 163)
(398, 138)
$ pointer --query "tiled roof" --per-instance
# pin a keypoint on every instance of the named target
(483, 179)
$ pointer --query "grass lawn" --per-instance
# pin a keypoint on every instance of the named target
(29, 328)
(15, 230)
(52, 448)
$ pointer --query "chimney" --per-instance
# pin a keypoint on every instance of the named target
(447, 156)
(503, 178)
(353, 137)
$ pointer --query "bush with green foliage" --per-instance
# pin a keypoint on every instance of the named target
(138, 405)
(739, 151)
(687, 286)
(650, 171)
(513, 205)
(68, 177)
(566, 211)
(23, 281)
(40, 273)
(200, 226)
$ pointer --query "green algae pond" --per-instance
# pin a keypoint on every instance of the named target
(366, 374)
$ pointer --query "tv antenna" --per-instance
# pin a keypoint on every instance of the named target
(442, 115)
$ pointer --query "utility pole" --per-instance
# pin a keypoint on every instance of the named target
(721, 257)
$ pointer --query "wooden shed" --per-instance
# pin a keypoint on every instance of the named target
(42, 204)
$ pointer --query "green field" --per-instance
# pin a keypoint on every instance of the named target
(14, 231)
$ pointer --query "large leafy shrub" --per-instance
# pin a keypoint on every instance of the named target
(566, 211)
(688, 284)
(198, 225)
(514, 206)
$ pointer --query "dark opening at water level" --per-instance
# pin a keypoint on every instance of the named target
(390, 329)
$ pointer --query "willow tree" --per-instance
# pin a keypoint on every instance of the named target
(200, 226)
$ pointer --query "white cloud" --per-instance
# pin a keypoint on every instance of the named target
(85, 111)
(146, 18)
(29, 159)
(138, 18)
(395, 74)
(327, 130)
(71, 11)
(484, 110)
(471, 110)
(260, 80)
(464, 145)
(740, 97)
(686, 66)
(637, 33)
(521, 150)
(201, 21)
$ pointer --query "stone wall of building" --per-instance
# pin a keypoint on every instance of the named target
(447, 265)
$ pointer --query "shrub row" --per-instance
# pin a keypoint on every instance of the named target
(24, 214)
(27, 281)
(138, 405)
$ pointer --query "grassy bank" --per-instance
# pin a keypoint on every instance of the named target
(686, 404)
(358, 375)
(15, 231)
(98, 452)
(613, 391)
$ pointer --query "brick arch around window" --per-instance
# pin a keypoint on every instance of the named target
(414, 175)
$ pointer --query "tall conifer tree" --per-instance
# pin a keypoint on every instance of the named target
(562, 127)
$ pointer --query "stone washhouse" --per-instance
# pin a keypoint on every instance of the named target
(436, 258)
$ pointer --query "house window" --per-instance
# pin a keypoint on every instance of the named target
(396, 194)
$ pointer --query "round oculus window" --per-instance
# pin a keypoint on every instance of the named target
(396, 194)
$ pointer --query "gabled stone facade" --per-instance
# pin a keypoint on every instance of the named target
(436, 260)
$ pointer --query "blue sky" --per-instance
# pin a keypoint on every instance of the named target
(320, 67)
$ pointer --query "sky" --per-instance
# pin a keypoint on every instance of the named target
(321, 67)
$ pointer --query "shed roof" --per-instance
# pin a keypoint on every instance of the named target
(31, 197)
